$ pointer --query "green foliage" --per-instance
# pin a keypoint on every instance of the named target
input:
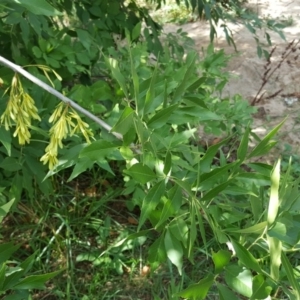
(184, 188)
(190, 194)
(70, 45)
(15, 278)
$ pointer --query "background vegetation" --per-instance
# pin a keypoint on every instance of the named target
(147, 209)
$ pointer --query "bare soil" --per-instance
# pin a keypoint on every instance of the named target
(248, 68)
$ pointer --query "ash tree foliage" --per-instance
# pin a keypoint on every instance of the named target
(191, 194)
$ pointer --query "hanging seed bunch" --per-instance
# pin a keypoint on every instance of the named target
(289, 55)
(19, 112)
(66, 122)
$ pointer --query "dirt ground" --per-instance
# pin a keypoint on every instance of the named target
(249, 68)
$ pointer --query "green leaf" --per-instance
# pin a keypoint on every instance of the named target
(150, 202)
(250, 28)
(16, 187)
(179, 138)
(121, 242)
(206, 160)
(83, 58)
(254, 178)
(2, 276)
(183, 116)
(25, 31)
(243, 147)
(192, 232)
(13, 18)
(125, 121)
(166, 213)
(39, 7)
(182, 86)
(157, 253)
(216, 191)
(261, 290)
(136, 85)
(18, 295)
(150, 94)
(142, 132)
(103, 164)
(221, 259)
(239, 279)
(197, 83)
(35, 281)
(259, 51)
(14, 275)
(198, 291)
(267, 148)
(6, 250)
(172, 205)
(256, 202)
(238, 190)
(225, 293)
(255, 229)
(209, 179)
(274, 194)
(165, 93)
(136, 31)
(141, 173)
(185, 186)
(245, 257)
(117, 75)
(168, 163)
(98, 150)
(80, 92)
(180, 230)
(67, 160)
(261, 168)
(52, 62)
(127, 153)
(11, 164)
(27, 264)
(291, 203)
(202, 227)
(293, 281)
(37, 52)
(4, 209)
(5, 139)
(160, 118)
(84, 38)
(285, 188)
(101, 91)
(174, 250)
(266, 144)
(82, 165)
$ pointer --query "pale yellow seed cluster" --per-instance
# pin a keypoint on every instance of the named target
(19, 112)
(65, 122)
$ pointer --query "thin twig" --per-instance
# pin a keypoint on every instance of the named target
(270, 70)
(57, 94)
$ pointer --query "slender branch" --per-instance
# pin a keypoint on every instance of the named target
(57, 94)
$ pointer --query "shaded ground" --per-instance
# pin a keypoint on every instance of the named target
(248, 68)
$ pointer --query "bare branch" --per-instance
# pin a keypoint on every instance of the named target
(57, 94)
